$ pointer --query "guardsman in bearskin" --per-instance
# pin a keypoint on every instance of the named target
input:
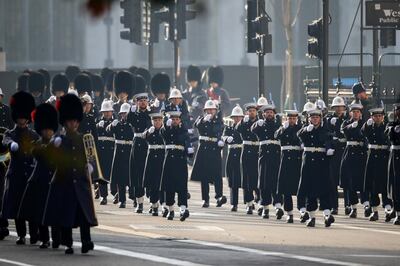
(105, 146)
(215, 76)
(393, 132)
(59, 87)
(83, 84)
(124, 87)
(334, 122)
(123, 135)
(353, 161)
(70, 201)
(175, 171)
(140, 120)
(98, 92)
(22, 82)
(207, 162)
(176, 103)
(36, 86)
(249, 157)
(20, 142)
(375, 181)
(5, 114)
(314, 179)
(233, 164)
(290, 161)
(361, 97)
(71, 72)
(154, 161)
(45, 119)
(145, 74)
(160, 86)
(194, 94)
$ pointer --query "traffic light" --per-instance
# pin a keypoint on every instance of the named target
(258, 38)
(388, 37)
(251, 10)
(315, 42)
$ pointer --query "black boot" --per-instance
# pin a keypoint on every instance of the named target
(374, 217)
(154, 211)
(171, 215)
(116, 199)
(304, 217)
(122, 205)
(34, 239)
(221, 201)
(249, 210)
(279, 213)
(329, 220)
(390, 215)
(265, 214)
(334, 212)
(139, 208)
(184, 215)
(86, 246)
(44, 245)
(165, 212)
(260, 211)
(353, 213)
(20, 241)
(69, 251)
(289, 219)
(347, 210)
(135, 204)
(103, 201)
(55, 244)
(206, 204)
(367, 211)
(234, 208)
(310, 222)
(397, 221)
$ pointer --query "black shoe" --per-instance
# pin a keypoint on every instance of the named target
(97, 194)
(20, 241)
(116, 199)
(265, 214)
(103, 201)
(260, 211)
(397, 221)
(253, 207)
(234, 208)
(304, 218)
(55, 244)
(367, 211)
(139, 208)
(135, 204)
(310, 222)
(122, 205)
(329, 220)
(154, 211)
(279, 213)
(221, 201)
(289, 219)
(390, 215)
(334, 211)
(206, 204)
(171, 215)
(353, 213)
(69, 251)
(165, 212)
(34, 239)
(347, 210)
(249, 210)
(184, 215)
(188, 196)
(374, 217)
(44, 245)
(4, 233)
(86, 246)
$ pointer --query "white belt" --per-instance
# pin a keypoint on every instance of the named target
(123, 142)
(235, 146)
(377, 147)
(270, 142)
(251, 143)
(343, 140)
(290, 148)
(354, 143)
(314, 149)
(395, 147)
(156, 147)
(175, 147)
(139, 135)
(106, 138)
(208, 139)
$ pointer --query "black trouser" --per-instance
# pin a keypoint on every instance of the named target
(205, 189)
(113, 188)
(3, 223)
(353, 197)
(103, 190)
(257, 196)
(139, 192)
(301, 202)
(162, 197)
(396, 205)
(346, 197)
(55, 234)
(267, 197)
(122, 193)
(234, 196)
(375, 200)
(288, 203)
(182, 198)
(335, 197)
(44, 235)
(20, 226)
(154, 195)
(324, 202)
(66, 235)
(248, 195)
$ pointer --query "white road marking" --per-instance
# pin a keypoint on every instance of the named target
(372, 256)
(368, 229)
(175, 227)
(13, 262)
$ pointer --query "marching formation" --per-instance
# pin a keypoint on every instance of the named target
(145, 135)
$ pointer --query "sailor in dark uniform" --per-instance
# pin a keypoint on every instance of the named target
(290, 162)
(45, 119)
(59, 87)
(154, 161)
(233, 164)
(393, 132)
(249, 157)
(175, 170)
(375, 178)
(207, 162)
(70, 201)
(19, 141)
(176, 103)
(140, 120)
(353, 161)
(105, 146)
(314, 180)
(268, 161)
(160, 86)
(123, 135)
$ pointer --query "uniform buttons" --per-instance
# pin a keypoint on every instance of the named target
(312, 136)
(312, 159)
(75, 181)
(73, 147)
(74, 170)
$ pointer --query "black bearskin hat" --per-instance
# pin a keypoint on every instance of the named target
(83, 84)
(140, 84)
(193, 73)
(22, 104)
(145, 75)
(215, 74)
(59, 83)
(97, 83)
(133, 70)
(71, 72)
(46, 76)
(45, 116)
(22, 82)
(123, 82)
(105, 72)
(36, 82)
(358, 88)
(69, 108)
(109, 82)
(160, 83)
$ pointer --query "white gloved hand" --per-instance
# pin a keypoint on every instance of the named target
(156, 103)
(354, 125)
(151, 130)
(101, 124)
(310, 127)
(260, 122)
(333, 121)
(330, 152)
(57, 142)
(190, 150)
(195, 104)
(286, 124)
(114, 123)
(397, 129)
(14, 146)
(207, 118)
(229, 139)
(90, 168)
(221, 143)
(370, 122)
(52, 99)
(169, 122)
(302, 146)
(190, 131)
(133, 108)
(246, 118)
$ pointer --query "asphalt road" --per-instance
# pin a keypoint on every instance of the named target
(216, 236)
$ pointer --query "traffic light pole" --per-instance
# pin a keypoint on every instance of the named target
(325, 56)
(150, 57)
(261, 84)
(177, 70)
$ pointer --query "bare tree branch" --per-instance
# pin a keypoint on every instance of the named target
(299, 2)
